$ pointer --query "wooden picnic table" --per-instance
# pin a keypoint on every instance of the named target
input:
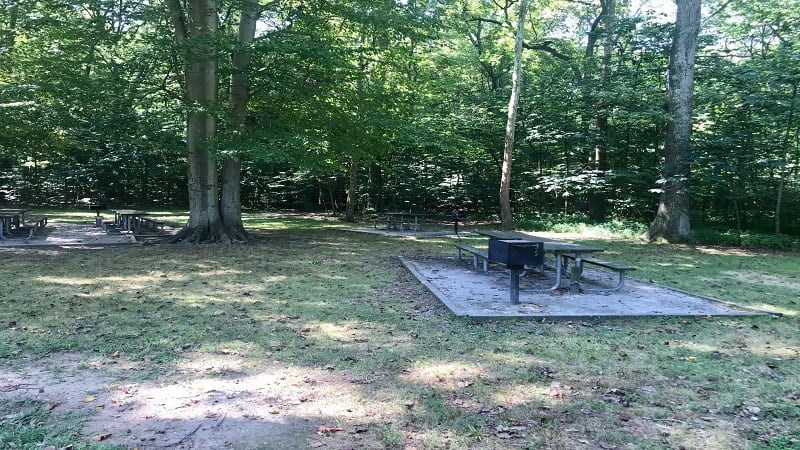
(10, 218)
(557, 248)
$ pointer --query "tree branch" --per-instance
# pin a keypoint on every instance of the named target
(545, 47)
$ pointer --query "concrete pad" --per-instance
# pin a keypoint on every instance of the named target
(475, 294)
(71, 234)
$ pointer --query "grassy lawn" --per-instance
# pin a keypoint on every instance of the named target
(309, 297)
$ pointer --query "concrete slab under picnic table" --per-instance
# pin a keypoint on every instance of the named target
(70, 234)
(471, 293)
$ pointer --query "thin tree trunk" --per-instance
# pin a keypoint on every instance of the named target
(786, 140)
(672, 217)
(506, 219)
(350, 209)
(597, 198)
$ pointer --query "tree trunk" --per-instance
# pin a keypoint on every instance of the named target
(783, 170)
(506, 219)
(230, 199)
(376, 185)
(350, 209)
(672, 217)
(239, 96)
(597, 198)
(196, 34)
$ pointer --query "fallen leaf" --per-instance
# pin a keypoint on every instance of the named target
(555, 390)
(89, 399)
(102, 437)
(328, 429)
(52, 406)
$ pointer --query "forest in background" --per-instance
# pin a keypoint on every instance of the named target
(409, 99)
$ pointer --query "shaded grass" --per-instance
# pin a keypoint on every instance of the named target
(306, 295)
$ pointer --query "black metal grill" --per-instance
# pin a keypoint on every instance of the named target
(516, 253)
(97, 207)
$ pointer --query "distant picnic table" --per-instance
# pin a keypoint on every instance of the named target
(402, 220)
(13, 223)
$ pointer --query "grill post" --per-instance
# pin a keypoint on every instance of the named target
(515, 270)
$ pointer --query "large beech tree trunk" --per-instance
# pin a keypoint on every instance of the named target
(194, 29)
(672, 217)
(212, 217)
(506, 219)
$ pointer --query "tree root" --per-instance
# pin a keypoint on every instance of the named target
(210, 235)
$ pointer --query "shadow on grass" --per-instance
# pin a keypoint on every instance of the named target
(337, 303)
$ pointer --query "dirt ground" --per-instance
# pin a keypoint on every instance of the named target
(210, 402)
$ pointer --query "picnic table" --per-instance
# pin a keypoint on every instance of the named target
(12, 223)
(402, 220)
(128, 219)
(11, 218)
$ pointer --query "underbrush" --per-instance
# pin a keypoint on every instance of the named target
(626, 229)
(710, 236)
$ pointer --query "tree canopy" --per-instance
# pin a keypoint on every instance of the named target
(354, 105)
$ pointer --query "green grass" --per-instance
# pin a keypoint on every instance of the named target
(27, 425)
(308, 296)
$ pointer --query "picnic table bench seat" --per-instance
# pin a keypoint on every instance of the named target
(477, 254)
(620, 269)
(152, 223)
(105, 224)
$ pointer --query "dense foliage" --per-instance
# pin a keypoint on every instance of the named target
(411, 95)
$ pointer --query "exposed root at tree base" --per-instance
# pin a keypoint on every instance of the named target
(210, 235)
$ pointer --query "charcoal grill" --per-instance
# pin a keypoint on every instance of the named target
(457, 215)
(516, 254)
(97, 206)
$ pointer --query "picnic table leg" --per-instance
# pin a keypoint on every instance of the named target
(574, 280)
(575, 275)
(2, 222)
